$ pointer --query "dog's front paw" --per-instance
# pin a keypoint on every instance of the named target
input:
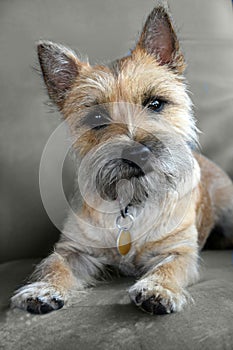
(38, 298)
(155, 298)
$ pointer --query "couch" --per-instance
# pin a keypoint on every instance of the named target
(103, 317)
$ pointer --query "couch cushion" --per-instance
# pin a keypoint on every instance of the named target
(103, 318)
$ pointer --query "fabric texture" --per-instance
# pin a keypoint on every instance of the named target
(103, 317)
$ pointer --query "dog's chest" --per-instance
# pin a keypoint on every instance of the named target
(124, 263)
(127, 266)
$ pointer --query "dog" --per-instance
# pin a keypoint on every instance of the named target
(150, 199)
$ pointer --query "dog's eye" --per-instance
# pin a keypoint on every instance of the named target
(97, 120)
(155, 105)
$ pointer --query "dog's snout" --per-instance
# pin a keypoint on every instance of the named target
(138, 154)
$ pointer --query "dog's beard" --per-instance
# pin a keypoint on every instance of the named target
(111, 174)
(126, 181)
(170, 163)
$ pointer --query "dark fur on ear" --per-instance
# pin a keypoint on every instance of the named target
(60, 67)
(158, 38)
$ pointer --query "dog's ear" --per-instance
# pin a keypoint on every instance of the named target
(60, 67)
(158, 38)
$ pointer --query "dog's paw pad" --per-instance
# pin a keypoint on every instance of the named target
(38, 298)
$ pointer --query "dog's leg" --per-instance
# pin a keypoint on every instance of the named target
(53, 279)
(170, 268)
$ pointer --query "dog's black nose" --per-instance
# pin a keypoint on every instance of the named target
(138, 155)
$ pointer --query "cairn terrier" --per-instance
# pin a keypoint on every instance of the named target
(150, 198)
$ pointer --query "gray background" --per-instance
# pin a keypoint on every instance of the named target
(104, 30)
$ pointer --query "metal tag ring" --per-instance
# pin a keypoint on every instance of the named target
(130, 216)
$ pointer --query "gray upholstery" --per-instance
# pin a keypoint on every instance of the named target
(103, 318)
(103, 30)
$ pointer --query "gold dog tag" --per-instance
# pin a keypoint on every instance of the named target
(124, 242)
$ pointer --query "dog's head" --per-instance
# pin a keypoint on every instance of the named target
(131, 119)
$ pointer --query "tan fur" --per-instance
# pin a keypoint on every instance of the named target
(215, 197)
(55, 271)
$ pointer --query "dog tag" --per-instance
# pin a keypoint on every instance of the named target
(124, 242)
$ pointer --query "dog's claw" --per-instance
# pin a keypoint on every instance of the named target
(157, 300)
(154, 306)
(37, 306)
(38, 298)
